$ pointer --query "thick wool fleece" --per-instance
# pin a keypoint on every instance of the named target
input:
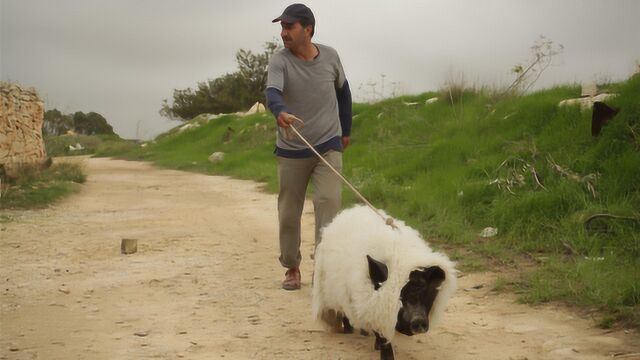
(341, 275)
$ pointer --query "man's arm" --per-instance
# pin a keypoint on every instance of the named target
(278, 108)
(345, 111)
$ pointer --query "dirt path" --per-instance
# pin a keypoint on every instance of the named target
(205, 284)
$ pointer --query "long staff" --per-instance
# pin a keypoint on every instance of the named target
(388, 221)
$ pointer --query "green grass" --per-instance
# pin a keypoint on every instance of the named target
(606, 285)
(247, 142)
(451, 170)
(59, 145)
(34, 188)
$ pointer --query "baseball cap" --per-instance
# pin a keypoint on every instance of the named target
(294, 13)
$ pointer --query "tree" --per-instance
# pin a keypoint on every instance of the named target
(229, 93)
(91, 124)
(56, 123)
(253, 69)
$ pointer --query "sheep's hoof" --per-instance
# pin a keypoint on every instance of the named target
(348, 329)
(387, 353)
(380, 341)
(386, 349)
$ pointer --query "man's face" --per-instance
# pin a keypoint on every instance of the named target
(293, 35)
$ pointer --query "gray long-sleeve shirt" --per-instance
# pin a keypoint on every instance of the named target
(308, 89)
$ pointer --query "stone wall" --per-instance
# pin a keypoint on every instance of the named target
(21, 117)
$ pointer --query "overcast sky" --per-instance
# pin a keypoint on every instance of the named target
(121, 58)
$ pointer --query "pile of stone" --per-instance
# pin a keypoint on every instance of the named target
(21, 117)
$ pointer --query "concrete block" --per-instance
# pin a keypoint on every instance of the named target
(129, 246)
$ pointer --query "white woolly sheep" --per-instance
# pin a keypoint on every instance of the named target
(350, 284)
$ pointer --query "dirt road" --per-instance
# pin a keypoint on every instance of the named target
(205, 284)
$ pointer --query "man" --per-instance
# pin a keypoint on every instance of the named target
(306, 80)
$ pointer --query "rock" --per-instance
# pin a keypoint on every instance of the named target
(77, 147)
(188, 126)
(489, 232)
(129, 246)
(216, 157)
(256, 108)
(430, 101)
(21, 120)
(141, 333)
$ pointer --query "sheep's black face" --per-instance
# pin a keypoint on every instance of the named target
(417, 298)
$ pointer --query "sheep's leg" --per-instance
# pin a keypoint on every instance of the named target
(386, 349)
(379, 341)
(348, 329)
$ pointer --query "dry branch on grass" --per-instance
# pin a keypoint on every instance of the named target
(588, 180)
(518, 168)
(516, 175)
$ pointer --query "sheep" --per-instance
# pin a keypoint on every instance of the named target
(376, 278)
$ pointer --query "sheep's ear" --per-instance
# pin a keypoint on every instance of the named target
(433, 275)
(378, 272)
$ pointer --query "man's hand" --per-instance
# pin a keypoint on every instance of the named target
(345, 142)
(284, 120)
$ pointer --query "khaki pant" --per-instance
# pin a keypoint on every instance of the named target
(293, 176)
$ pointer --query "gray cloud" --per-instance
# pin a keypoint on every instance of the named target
(121, 58)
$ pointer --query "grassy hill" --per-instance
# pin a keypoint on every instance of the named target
(33, 187)
(522, 165)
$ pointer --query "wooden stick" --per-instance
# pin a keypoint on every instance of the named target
(388, 221)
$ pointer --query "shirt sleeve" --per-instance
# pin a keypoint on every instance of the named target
(343, 94)
(340, 77)
(345, 108)
(275, 102)
(275, 73)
